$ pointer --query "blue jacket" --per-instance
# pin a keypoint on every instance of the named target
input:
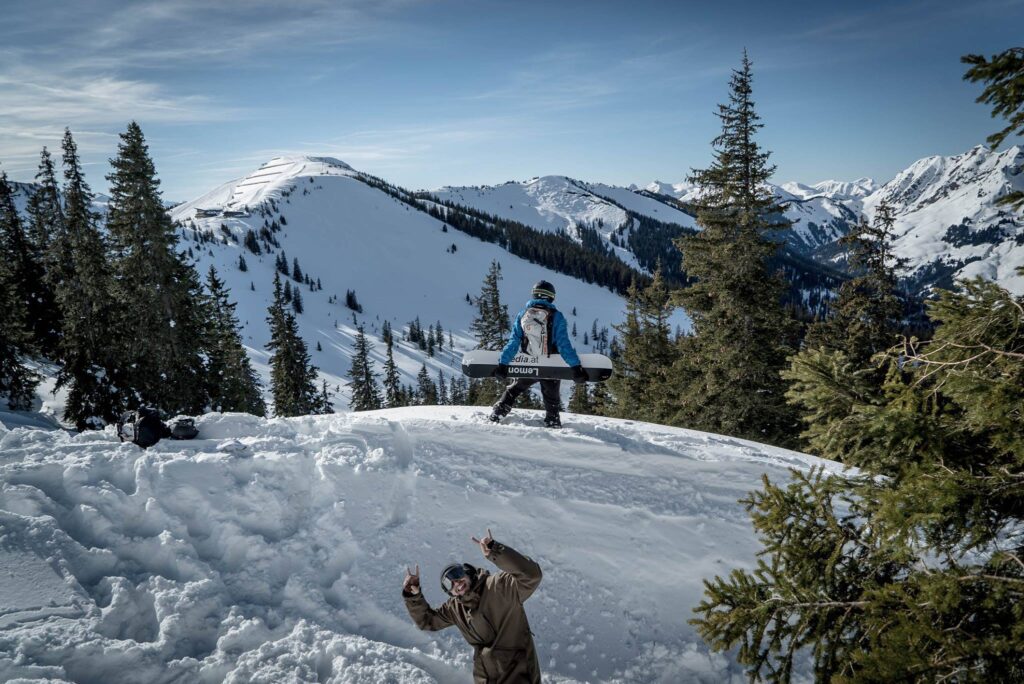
(559, 335)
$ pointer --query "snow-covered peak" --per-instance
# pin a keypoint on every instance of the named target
(976, 177)
(846, 189)
(684, 191)
(269, 181)
(947, 219)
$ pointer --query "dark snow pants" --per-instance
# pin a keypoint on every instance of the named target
(549, 391)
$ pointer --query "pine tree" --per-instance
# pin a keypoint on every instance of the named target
(728, 370)
(363, 381)
(297, 301)
(292, 375)
(242, 266)
(296, 271)
(492, 329)
(458, 391)
(231, 382)
(600, 401)
(491, 324)
(46, 225)
(324, 404)
(426, 390)
(158, 291)
(642, 384)
(442, 389)
(392, 388)
(17, 383)
(867, 315)
(25, 268)
(579, 401)
(911, 569)
(866, 320)
(91, 368)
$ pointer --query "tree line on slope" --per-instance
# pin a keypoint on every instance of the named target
(120, 311)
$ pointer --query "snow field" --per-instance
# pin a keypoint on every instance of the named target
(274, 550)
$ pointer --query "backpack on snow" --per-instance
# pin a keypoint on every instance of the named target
(183, 427)
(537, 322)
(141, 426)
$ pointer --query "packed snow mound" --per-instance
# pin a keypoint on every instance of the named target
(274, 550)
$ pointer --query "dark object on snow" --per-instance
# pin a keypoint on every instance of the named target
(183, 427)
(142, 426)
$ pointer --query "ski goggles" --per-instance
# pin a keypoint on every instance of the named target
(451, 575)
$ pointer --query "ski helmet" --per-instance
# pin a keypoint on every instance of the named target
(455, 572)
(544, 290)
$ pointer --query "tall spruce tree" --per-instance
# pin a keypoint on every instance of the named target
(646, 353)
(91, 367)
(491, 326)
(426, 390)
(579, 400)
(362, 379)
(867, 315)
(231, 382)
(913, 568)
(728, 369)
(158, 291)
(27, 271)
(46, 225)
(292, 375)
(17, 383)
(491, 323)
(393, 395)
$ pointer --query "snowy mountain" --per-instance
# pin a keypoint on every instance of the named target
(947, 221)
(349, 233)
(558, 203)
(833, 189)
(948, 224)
(274, 550)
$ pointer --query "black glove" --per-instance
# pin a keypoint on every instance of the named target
(501, 371)
(578, 374)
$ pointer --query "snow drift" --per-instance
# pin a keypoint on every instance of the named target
(274, 550)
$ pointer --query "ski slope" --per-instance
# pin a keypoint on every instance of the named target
(400, 262)
(273, 550)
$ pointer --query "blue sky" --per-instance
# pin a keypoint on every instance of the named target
(465, 92)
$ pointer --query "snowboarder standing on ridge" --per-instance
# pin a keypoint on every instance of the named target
(488, 610)
(540, 330)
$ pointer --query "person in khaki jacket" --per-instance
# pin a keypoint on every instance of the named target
(488, 610)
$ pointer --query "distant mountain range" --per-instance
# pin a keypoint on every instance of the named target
(424, 254)
(948, 224)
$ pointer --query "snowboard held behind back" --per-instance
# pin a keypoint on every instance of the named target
(481, 363)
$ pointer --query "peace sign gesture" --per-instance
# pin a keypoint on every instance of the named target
(485, 543)
(412, 581)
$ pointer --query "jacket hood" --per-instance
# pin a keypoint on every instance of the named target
(541, 302)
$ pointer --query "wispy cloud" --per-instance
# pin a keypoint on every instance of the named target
(94, 66)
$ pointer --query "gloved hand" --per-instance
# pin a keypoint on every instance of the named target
(578, 374)
(411, 585)
(501, 371)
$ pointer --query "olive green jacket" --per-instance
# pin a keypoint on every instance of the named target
(491, 618)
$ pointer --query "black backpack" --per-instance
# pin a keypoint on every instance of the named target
(142, 426)
(183, 427)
